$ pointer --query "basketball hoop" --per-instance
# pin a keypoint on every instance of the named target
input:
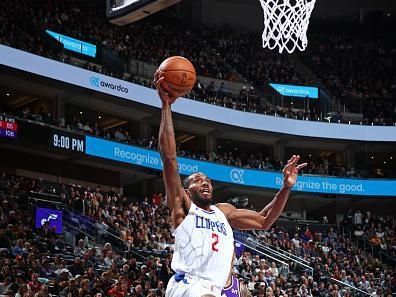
(286, 23)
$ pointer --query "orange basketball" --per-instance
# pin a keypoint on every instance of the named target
(179, 75)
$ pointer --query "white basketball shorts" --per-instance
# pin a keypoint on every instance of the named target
(189, 286)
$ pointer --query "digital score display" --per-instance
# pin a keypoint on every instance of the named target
(8, 127)
(67, 141)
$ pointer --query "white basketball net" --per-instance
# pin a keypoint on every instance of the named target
(286, 23)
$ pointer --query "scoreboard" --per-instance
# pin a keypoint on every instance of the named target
(31, 133)
(8, 127)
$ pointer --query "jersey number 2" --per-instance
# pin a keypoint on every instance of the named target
(215, 242)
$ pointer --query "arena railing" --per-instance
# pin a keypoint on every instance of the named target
(384, 255)
(282, 253)
(105, 234)
(36, 203)
(308, 268)
(358, 291)
(98, 235)
(363, 242)
(250, 247)
(275, 254)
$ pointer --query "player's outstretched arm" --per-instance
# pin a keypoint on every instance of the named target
(247, 219)
(176, 195)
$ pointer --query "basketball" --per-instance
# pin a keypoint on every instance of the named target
(179, 75)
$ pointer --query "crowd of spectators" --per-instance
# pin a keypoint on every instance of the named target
(378, 230)
(39, 263)
(358, 72)
(333, 256)
(223, 53)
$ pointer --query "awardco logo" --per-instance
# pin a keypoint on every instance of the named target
(96, 82)
(236, 176)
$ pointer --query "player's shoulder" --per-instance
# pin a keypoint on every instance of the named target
(226, 208)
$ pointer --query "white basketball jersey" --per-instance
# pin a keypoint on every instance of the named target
(204, 245)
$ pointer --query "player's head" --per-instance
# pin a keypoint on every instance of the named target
(199, 187)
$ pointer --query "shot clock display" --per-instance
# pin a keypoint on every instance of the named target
(68, 141)
(8, 127)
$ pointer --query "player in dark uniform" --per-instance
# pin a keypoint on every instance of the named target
(234, 288)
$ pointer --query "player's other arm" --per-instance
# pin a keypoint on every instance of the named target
(176, 195)
(247, 219)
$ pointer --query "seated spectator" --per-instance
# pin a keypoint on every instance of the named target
(70, 289)
(34, 286)
(79, 250)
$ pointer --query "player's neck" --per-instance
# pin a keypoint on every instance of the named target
(204, 207)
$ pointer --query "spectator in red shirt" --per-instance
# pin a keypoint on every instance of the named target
(116, 290)
(34, 286)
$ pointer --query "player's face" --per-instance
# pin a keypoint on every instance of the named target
(200, 188)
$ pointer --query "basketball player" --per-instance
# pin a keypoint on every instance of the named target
(233, 287)
(204, 242)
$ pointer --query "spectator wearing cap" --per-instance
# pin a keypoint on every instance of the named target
(63, 273)
(143, 269)
(19, 280)
(107, 247)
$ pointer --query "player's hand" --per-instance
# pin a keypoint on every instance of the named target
(166, 98)
(290, 171)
